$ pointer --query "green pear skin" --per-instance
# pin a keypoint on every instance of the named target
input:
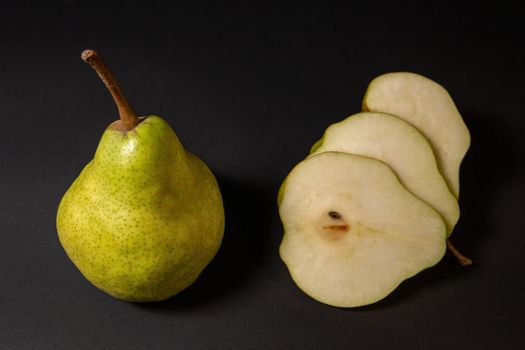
(144, 217)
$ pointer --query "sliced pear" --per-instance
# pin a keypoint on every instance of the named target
(353, 233)
(402, 147)
(428, 106)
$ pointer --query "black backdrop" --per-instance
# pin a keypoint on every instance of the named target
(249, 88)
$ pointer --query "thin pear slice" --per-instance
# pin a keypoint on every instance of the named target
(353, 233)
(402, 147)
(428, 106)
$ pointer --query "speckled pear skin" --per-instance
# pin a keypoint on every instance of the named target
(144, 217)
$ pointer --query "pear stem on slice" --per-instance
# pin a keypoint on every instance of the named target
(128, 117)
(462, 259)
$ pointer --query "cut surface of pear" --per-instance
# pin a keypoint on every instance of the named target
(403, 148)
(353, 233)
(428, 106)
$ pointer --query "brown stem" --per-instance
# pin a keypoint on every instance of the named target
(127, 115)
(462, 259)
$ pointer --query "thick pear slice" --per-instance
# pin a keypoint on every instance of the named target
(402, 147)
(428, 106)
(353, 233)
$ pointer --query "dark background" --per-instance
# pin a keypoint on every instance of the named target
(249, 88)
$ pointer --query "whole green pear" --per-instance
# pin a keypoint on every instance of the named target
(144, 217)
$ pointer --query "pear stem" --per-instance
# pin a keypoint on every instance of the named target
(462, 259)
(127, 115)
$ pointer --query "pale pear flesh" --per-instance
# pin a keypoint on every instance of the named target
(403, 148)
(144, 217)
(353, 233)
(428, 106)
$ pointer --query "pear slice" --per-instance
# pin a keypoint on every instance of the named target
(428, 106)
(353, 233)
(401, 146)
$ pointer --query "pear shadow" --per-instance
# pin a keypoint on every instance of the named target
(248, 210)
(446, 270)
(491, 164)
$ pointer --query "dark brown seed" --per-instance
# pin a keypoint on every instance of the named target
(335, 215)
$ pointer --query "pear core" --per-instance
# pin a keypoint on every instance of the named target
(334, 226)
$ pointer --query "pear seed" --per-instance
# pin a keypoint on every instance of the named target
(335, 215)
